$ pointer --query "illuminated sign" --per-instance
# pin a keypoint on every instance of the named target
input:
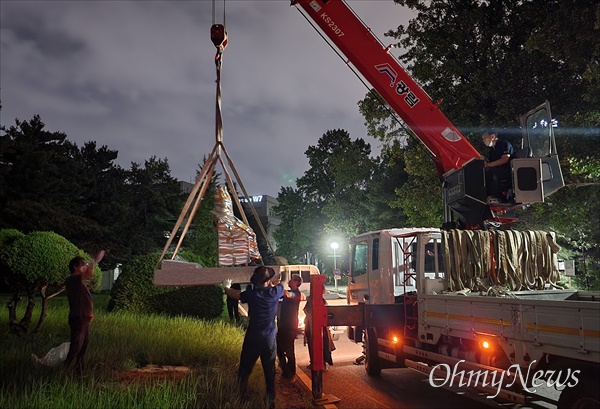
(253, 199)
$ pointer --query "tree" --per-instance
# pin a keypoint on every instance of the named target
(28, 160)
(37, 264)
(422, 207)
(301, 224)
(153, 198)
(340, 170)
(202, 236)
(388, 174)
(7, 236)
(48, 183)
(503, 61)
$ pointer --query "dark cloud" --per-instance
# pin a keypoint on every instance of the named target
(139, 77)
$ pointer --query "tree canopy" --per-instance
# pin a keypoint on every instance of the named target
(345, 192)
(36, 263)
(48, 183)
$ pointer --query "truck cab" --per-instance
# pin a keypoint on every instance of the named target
(383, 271)
(384, 264)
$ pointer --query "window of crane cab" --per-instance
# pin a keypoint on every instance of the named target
(432, 248)
(539, 133)
(360, 258)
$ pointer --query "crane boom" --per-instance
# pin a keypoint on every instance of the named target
(459, 165)
(451, 150)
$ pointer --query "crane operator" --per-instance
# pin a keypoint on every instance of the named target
(497, 168)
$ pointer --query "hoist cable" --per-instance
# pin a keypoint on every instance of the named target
(219, 38)
(214, 13)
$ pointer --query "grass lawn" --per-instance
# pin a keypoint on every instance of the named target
(124, 341)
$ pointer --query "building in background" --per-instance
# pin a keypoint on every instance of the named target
(185, 187)
(264, 205)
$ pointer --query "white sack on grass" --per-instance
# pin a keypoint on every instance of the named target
(54, 356)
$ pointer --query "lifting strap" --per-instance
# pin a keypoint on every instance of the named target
(218, 35)
(500, 261)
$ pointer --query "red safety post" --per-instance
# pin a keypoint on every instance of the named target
(318, 323)
(318, 320)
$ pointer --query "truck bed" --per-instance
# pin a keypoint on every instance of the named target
(534, 323)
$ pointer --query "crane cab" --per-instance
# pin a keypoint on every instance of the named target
(538, 174)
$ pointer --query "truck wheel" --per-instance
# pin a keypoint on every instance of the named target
(371, 357)
(584, 395)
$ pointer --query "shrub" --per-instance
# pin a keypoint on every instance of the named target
(134, 291)
(37, 264)
(42, 258)
(7, 236)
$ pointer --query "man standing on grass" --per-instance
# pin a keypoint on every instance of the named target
(81, 309)
(259, 341)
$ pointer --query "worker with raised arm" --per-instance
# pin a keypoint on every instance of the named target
(81, 309)
(498, 176)
(259, 340)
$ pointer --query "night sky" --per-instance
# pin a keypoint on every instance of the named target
(139, 77)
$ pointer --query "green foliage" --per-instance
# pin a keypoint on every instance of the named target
(48, 183)
(587, 168)
(134, 291)
(345, 192)
(511, 56)
(125, 341)
(201, 239)
(154, 199)
(7, 236)
(331, 199)
(423, 207)
(587, 270)
(42, 258)
(296, 230)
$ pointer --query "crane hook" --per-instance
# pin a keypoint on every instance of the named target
(218, 35)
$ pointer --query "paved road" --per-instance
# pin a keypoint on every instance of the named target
(395, 388)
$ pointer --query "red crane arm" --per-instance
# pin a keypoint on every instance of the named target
(382, 70)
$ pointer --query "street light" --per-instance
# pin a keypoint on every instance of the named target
(334, 245)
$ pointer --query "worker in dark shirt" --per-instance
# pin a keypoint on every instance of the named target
(498, 175)
(259, 341)
(81, 309)
(287, 328)
(233, 305)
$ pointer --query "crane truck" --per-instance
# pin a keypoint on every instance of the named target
(478, 308)
(481, 307)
